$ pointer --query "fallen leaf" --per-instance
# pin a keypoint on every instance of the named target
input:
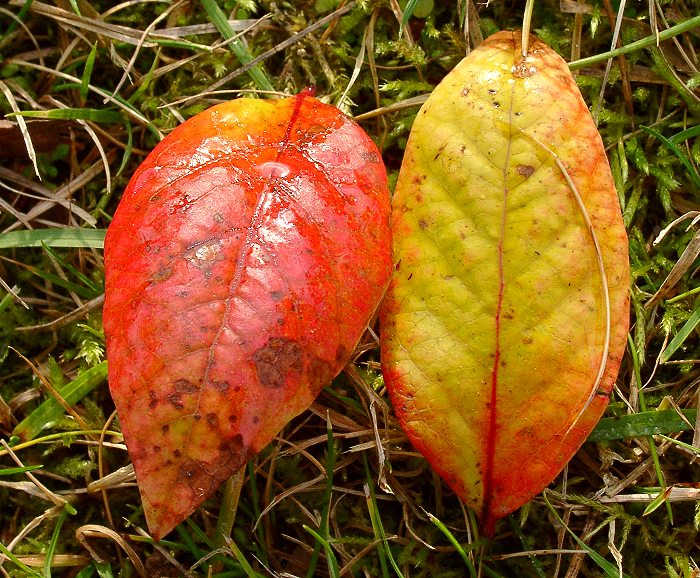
(246, 257)
(498, 348)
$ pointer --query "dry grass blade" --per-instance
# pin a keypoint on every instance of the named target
(685, 261)
(87, 531)
(22, 126)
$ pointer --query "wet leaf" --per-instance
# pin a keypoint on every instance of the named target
(495, 343)
(245, 259)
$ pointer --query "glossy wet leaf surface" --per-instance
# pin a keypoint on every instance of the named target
(494, 327)
(245, 259)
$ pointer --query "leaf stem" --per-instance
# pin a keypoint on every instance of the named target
(527, 22)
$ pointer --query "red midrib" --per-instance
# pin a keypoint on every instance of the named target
(487, 518)
(252, 231)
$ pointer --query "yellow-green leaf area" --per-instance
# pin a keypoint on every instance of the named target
(495, 325)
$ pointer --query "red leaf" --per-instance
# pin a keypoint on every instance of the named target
(247, 256)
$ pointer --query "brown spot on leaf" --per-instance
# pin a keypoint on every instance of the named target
(465, 91)
(219, 385)
(423, 224)
(154, 399)
(177, 453)
(320, 372)
(212, 419)
(175, 400)
(525, 170)
(275, 360)
(162, 274)
(277, 295)
(185, 386)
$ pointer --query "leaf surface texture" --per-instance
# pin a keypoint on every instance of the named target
(494, 329)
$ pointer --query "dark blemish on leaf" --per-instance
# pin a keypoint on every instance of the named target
(277, 295)
(256, 419)
(492, 91)
(237, 388)
(183, 294)
(185, 386)
(221, 386)
(177, 453)
(234, 446)
(275, 360)
(409, 277)
(342, 354)
(197, 416)
(162, 274)
(423, 224)
(157, 449)
(320, 372)
(218, 218)
(176, 400)
(212, 419)
(154, 399)
(188, 469)
(465, 91)
(525, 170)
(370, 157)
(165, 428)
(233, 418)
(496, 104)
(527, 340)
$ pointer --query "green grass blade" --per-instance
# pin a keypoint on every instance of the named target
(676, 151)
(51, 548)
(14, 471)
(242, 559)
(56, 280)
(219, 19)
(450, 537)
(407, 13)
(69, 237)
(383, 549)
(681, 336)
(333, 567)
(686, 134)
(21, 565)
(92, 114)
(641, 424)
(49, 411)
(323, 529)
(645, 42)
(66, 265)
(611, 571)
(87, 73)
(104, 569)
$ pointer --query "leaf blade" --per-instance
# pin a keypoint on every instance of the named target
(494, 326)
(275, 254)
